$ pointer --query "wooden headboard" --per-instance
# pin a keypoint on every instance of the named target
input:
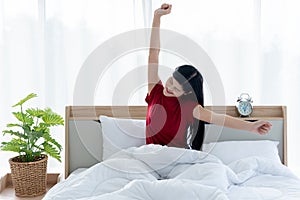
(83, 137)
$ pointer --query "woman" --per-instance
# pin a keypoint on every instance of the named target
(178, 107)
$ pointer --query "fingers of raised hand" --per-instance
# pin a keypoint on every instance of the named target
(164, 6)
(164, 9)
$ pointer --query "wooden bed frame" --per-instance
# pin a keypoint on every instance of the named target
(83, 139)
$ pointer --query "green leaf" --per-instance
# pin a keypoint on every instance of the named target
(10, 146)
(15, 145)
(14, 125)
(16, 133)
(30, 96)
(53, 119)
(48, 111)
(23, 118)
(41, 128)
(48, 138)
(49, 149)
(35, 112)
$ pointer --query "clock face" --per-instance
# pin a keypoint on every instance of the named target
(244, 108)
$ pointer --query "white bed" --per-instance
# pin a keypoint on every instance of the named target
(250, 167)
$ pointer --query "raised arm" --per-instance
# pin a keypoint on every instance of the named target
(153, 77)
(260, 127)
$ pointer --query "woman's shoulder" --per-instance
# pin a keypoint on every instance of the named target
(157, 87)
(157, 90)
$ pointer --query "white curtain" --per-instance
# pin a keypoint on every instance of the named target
(43, 46)
(254, 45)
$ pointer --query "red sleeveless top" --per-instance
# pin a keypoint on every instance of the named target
(167, 119)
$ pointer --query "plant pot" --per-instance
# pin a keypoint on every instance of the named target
(29, 178)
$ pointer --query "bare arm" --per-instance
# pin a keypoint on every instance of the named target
(260, 127)
(153, 77)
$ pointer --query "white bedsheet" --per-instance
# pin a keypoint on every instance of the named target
(160, 172)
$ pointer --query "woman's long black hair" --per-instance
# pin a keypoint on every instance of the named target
(192, 83)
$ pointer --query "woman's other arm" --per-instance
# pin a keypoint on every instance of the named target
(260, 127)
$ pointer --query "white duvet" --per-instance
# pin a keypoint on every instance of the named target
(160, 172)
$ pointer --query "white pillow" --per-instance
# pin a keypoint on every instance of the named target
(229, 151)
(119, 133)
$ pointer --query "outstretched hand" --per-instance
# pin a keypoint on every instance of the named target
(163, 10)
(261, 127)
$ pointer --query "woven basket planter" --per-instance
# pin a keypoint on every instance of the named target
(29, 178)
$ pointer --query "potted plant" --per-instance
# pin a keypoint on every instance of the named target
(32, 140)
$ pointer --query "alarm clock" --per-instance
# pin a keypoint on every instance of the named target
(244, 106)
